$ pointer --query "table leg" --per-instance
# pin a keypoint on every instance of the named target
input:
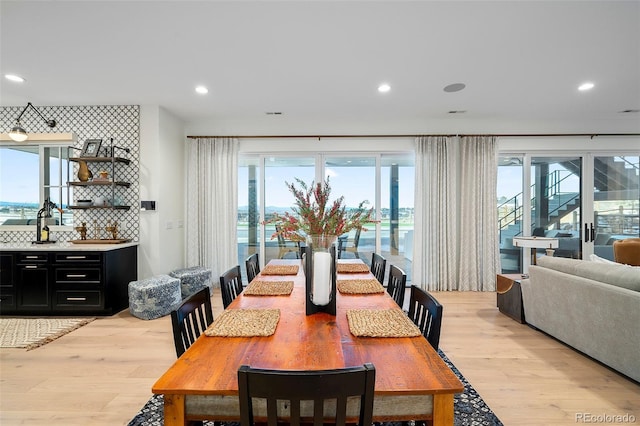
(443, 409)
(174, 410)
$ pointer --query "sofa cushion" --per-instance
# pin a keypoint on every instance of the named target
(616, 274)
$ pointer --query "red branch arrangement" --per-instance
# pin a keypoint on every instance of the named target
(313, 214)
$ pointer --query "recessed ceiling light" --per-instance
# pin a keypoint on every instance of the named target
(629, 111)
(202, 90)
(457, 111)
(15, 78)
(384, 88)
(455, 87)
(586, 86)
(273, 112)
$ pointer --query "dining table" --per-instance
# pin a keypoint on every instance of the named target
(412, 381)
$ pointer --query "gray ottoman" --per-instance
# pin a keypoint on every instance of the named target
(193, 279)
(154, 297)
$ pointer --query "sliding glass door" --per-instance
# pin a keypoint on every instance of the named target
(586, 201)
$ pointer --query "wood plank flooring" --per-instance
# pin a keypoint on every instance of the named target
(102, 373)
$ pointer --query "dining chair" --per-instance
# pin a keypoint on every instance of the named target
(191, 319)
(344, 245)
(307, 393)
(253, 266)
(396, 284)
(378, 267)
(230, 285)
(426, 313)
(286, 246)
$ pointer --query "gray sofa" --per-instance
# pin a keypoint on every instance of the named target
(591, 306)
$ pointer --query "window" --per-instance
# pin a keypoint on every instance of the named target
(30, 174)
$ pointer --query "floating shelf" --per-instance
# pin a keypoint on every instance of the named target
(100, 183)
(99, 207)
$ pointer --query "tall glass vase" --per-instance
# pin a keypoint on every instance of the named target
(320, 271)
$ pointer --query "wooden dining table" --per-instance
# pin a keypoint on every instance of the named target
(412, 380)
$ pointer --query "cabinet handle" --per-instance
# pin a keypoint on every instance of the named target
(76, 299)
(31, 266)
(31, 257)
(75, 257)
(76, 275)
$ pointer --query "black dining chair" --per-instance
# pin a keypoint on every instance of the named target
(230, 285)
(191, 319)
(426, 313)
(306, 393)
(253, 266)
(378, 267)
(396, 284)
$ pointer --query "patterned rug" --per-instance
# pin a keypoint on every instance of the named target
(468, 406)
(31, 333)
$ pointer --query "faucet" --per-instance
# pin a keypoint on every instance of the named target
(44, 212)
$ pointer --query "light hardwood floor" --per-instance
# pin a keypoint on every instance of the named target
(102, 373)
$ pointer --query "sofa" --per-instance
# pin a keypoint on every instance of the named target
(592, 306)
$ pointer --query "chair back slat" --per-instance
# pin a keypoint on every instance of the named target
(230, 285)
(396, 284)
(426, 313)
(190, 319)
(378, 267)
(315, 387)
(252, 265)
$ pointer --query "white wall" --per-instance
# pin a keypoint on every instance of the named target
(162, 175)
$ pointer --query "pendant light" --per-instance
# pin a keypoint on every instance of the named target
(18, 133)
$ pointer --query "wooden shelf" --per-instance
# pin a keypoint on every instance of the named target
(100, 183)
(99, 207)
(101, 159)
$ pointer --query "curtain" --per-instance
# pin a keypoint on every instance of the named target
(435, 256)
(479, 249)
(212, 203)
(455, 214)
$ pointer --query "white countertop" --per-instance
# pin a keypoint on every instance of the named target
(63, 246)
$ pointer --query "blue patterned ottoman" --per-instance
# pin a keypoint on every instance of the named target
(154, 297)
(193, 279)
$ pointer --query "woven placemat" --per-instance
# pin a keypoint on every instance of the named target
(368, 286)
(381, 323)
(268, 288)
(244, 323)
(351, 268)
(280, 270)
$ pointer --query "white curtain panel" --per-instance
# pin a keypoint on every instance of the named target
(212, 203)
(435, 254)
(479, 251)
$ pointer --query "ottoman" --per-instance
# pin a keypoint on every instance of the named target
(193, 279)
(154, 297)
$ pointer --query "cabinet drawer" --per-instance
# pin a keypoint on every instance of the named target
(32, 257)
(84, 298)
(77, 257)
(66, 275)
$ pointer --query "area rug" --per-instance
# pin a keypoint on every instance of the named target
(469, 408)
(31, 333)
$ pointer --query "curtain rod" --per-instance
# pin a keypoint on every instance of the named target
(499, 135)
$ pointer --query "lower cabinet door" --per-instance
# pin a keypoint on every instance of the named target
(33, 287)
(78, 299)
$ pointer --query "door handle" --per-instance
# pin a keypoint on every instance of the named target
(593, 233)
(586, 233)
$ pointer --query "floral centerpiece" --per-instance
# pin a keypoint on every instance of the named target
(314, 215)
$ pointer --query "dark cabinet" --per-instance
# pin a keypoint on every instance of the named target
(67, 282)
(32, 281)
(7, 282)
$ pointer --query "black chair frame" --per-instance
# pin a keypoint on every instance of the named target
(426, 312)
(191, 319)
(230, 285)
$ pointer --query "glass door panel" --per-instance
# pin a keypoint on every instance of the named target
(616, 202)
(510, 211)
(277, 198)
(556, 203)
(397, 185)
(354, 178)
(248, 227)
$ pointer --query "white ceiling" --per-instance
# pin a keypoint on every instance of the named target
(320, 62)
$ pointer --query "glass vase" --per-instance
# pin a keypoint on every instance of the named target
(322, 264)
